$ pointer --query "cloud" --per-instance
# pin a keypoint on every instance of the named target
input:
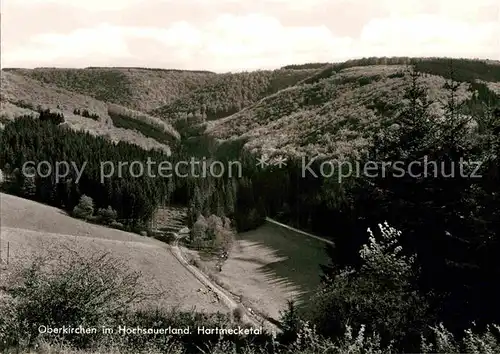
(427, 35)
(224, 41)
(227, 43)
(103, 42)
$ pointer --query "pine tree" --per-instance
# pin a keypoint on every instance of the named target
(107, 215)
(229, 198)
(28, 184)
(85, 208)
(429, 204)
(414, 126)
(290, 323)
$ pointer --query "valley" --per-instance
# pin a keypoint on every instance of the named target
(271, 247)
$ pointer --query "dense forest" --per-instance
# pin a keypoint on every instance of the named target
(40, 140)
(228, 93)
(132, 194)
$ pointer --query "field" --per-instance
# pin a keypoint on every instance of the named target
(33, 229)
(299, 256)
(271, 265)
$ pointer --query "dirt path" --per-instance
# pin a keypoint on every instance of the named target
(300, 231)
(252, 318)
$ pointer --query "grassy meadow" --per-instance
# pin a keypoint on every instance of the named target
(299, 256)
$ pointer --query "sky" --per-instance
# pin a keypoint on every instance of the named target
(238, 35)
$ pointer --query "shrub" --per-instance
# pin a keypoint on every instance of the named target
(443, 341)
(199, 232)
(85, 208)
(100, 291)
(219, 233)
(71, 291)
(9, 323)
(139, 228)
(212, 232)
(368, 79)
(238, 313)
(53, 117)
(396, 75)
(380, 294)
(117, 225)
(85, 113)
(108, 215)
(356, 343)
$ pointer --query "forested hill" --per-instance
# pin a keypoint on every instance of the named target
(22, 95)
(336, 111)
(314, 108)
(137, 88)
(229, 93)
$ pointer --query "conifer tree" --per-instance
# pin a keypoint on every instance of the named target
(85, 208)
(28, 184)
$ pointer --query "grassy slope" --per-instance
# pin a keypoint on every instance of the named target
(268, 266)
(228, 93)
(272, 264)
(20, 92)
(300, 256)
(334, 113)
(35, 229)
(137, 88)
